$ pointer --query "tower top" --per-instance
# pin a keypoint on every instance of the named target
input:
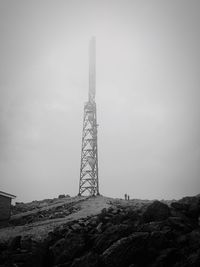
(92, 69)
(89, 179)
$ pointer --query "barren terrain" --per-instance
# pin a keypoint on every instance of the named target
(102, 232)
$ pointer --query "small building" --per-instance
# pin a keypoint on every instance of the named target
(5, 206)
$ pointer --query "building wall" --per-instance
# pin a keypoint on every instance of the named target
(5, 207)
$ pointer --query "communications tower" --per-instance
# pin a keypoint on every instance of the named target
(89, 180)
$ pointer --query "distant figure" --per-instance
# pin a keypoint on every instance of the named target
(128, 197)
(125, 196)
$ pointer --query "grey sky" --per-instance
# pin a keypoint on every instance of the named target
(148, 78)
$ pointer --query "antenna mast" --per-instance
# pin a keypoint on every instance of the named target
(89, 180)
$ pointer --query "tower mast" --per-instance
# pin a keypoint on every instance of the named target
(89, 180)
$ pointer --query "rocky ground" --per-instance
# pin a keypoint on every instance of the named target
(103, 232)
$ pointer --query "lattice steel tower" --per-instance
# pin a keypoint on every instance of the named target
(89, 180)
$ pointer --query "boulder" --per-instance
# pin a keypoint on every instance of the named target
(103, 240)
(150, 227)
(68, 248)
(26, 243)
(183, 207)
(190, 206)
(21, 258)
(180, 224)
(88, 260)
(76, 227)
(126, 251)
(167, 257)
(15, 243)
(99, 227)
(61, 196)
(193, 239)
(157, 211)
(58, 247)
(159, 240)
(191, 260)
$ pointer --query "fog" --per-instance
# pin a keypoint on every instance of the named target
(147, 95)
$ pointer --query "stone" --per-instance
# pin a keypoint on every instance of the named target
(159, 240)
(157, 211)
(193, 259)
(193, 239)
(15, 243)
(75, 227)
(180, 206)
(180, 224)
(167, 257)
(61, 196)
(128, 250)
(26, 243)
(21, 257)
(151, 235)
(88, 260)
(94, 221)
(71, 248)
(99, 227)
(58, 247)
(190, 206)
(150, 227)
(181, 240)
(103, 240)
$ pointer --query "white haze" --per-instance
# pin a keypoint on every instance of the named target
(147, 97)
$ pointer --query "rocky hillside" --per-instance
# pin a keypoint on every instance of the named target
(104, 232)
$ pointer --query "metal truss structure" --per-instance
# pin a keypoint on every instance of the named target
(89, 180)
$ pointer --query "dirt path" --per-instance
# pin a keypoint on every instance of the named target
(39, 230)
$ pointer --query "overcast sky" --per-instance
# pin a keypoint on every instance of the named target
(147, 95)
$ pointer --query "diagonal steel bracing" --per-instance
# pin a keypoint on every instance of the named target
(89, 182)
